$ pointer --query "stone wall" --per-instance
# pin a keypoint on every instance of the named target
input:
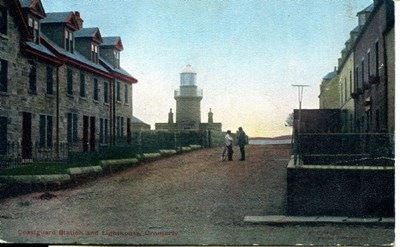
(340, 191)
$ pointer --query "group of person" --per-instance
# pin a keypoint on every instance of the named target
(241, 141)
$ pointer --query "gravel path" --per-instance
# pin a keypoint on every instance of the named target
(192, 198)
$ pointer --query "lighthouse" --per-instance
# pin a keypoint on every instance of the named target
(188, 98)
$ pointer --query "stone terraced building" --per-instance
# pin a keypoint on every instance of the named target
(60, 83)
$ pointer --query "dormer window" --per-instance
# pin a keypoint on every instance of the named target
(116, 55)
(69, 41)
(95, 53)
(34, 26)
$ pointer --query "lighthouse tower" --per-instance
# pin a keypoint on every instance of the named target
(188, 97)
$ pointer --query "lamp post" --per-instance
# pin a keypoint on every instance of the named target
(300, 93)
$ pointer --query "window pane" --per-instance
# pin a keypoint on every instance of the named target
(105, 92)
(3, 75)
(3, 20)
(49, 80)
(95, 89)
(69, 127)
(32, 78)
(69, 81)
(3, 135)
(42, 131)
(49, 131)
(82, 87)
(75, 127)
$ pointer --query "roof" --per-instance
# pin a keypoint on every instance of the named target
(136, 120)
(367, 9)
(330, 75)
(35, 7)
(57, 17)
(40, 48)
(76, 56)
(112, 41)
(121, 71)
(91, 32)
(26, 3)
(86, 32)
(188, 69)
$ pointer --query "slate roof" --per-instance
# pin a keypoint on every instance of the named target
(85, 32)
(136, 120)
(40, 48)
(109, 41)
(330, 75)
(75, 56)
(56, 17)
(370, 8)
(25, 3)
(117, 70)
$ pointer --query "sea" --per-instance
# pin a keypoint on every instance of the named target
(269, 142)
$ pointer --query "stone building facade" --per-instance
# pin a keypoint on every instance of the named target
(364, 85)
(370, 63)
(52, 89)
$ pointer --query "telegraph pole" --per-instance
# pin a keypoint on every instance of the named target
(300, 93)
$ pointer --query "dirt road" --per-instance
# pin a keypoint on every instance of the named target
(192, 198)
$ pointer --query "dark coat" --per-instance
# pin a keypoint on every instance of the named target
(241, 138)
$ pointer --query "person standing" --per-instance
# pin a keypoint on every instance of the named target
(241, 136)
(228, 144)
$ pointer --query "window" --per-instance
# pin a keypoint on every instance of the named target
(69, 41)
(69, 81)
(126, 93)
(34, 26)
(351, 82)
(106, 96)
(3, 75)
(32, 78)
(3, 20)
(82, 86)
(356, 79)
(362, 72)
(95, 53)
(118, 91)
(49, 88)
(3, 135)
(45, 131)
(120, 126)
(95, 89)
(103, 130)
(117, 56)
(345, 89)
(369, 64)
(377, 59)
(72, 127)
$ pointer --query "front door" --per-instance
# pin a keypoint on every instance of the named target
(85, 139)
(92, 134)
(26, 136)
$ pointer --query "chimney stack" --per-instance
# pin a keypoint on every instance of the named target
(79, 19)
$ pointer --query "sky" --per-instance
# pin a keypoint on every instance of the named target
(247, 54)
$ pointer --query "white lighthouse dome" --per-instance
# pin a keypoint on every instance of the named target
(188, 69)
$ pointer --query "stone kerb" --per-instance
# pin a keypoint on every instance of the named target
(195, 147)
(35, 179)
(80, 171)
(118, 164)
(150, 156)
(167, 152)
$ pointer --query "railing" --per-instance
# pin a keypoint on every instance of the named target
(344, 149)
(16, 154)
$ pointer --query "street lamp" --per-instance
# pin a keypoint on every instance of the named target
(300, 93)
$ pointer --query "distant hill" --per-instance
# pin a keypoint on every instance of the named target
(276, 138)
